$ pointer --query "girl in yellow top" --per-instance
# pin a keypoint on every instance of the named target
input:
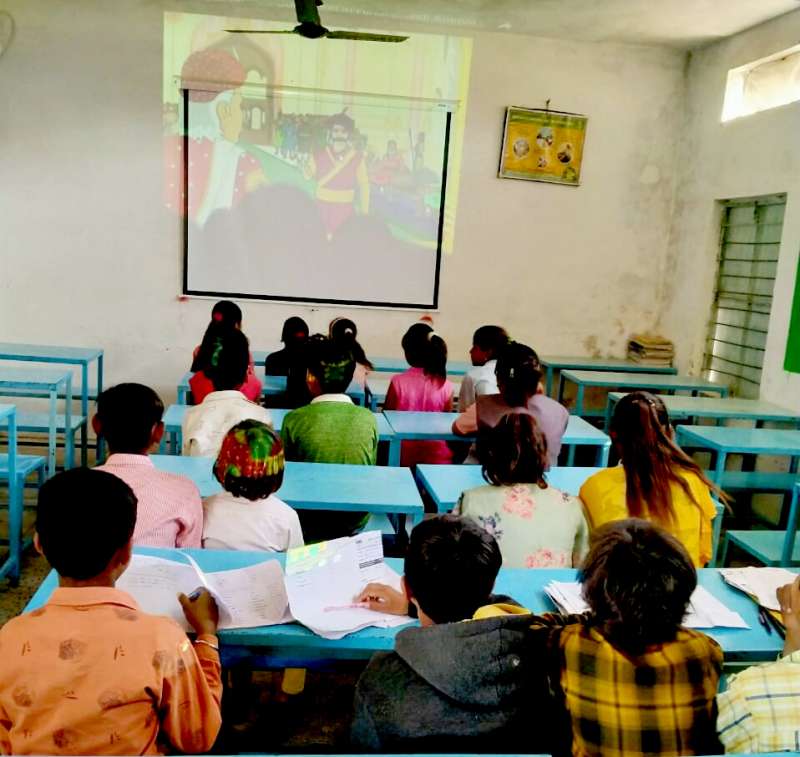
(656, 480)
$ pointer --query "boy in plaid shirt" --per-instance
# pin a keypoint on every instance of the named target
(630, 679)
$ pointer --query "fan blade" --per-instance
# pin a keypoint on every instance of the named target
(260, 31)
(365, 37)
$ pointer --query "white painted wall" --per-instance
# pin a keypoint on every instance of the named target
(89, 256)
(750, 156)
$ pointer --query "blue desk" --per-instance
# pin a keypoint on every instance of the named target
(553, 363)
(680, 407)
(12, 380)
(81, 356)
(446, 483)
(173, 424)
(8, 415)
(379, 490)
(399, 364)
(294, 644)
(631, 381)
(439, 426)
(726, 440)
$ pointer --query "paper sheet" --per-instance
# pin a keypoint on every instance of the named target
(761, 583)
(705, 610)
(246, 597)
(330, 575)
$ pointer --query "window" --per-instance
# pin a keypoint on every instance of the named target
(763, 84)
(748, 256)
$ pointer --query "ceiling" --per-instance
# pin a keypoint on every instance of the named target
(681, 24)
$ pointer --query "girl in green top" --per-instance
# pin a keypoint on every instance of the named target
(536, 525)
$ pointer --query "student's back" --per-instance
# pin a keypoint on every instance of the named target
(424, 387)
(465, 681)
(330, 430)
(536, 525)
(656, 480)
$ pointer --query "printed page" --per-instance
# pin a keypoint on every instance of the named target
(323, 581)
(760, 583)
(705, 610)
(155, 584)
(253, 596)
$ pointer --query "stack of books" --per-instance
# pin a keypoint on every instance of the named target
(649, 349)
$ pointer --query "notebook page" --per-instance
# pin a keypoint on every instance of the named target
(155, 584)
(761, 583)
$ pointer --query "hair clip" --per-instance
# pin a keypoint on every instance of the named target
(432, 334)
(216, 317)
(511, 372)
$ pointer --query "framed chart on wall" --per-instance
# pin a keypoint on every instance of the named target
(542, 145)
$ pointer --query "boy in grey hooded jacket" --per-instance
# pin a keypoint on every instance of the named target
(451, 686)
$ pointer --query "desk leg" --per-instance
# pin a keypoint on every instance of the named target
(791, 532)
(84, 413)
(51, 435)
(608, 414)
(602, 455)
(579, 401)
(99, 454)
(15, 505)
(719, 468)
(560, 396)
(69, 439)
(571, 455)
(394, 453)
(548, 387)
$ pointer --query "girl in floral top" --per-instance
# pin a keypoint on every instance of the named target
(536, 525)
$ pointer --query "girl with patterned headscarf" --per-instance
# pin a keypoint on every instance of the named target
(247, 515)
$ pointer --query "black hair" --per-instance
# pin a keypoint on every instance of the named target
(490, 339)
(83, 517)
(450, 567)
(518, 373)
(127, 414)
(425, 349)
(514, 451)
(343, 330)
(651, 459)
(292, 326)
(331, 363)
(227, 313)
(225, 359)
(637, 580)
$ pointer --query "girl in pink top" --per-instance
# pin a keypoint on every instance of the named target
(225, 315)
(423, 387)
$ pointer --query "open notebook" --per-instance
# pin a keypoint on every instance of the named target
(761, 584)
(705, 610)
(319, 589)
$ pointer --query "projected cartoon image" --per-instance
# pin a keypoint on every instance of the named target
(298, 192)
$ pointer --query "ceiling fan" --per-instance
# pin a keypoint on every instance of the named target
(310, 27)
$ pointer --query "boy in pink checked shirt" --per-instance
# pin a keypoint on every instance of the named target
(170, 512)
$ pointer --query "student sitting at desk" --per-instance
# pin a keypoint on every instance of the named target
(291, 362)
(248, 515)
(224, 316)
(451, 686)
(330, 430)
(424, 387)
(170, 512)
(344, 331)
(760, 709)
(205, 425)
(487, 343)
(519, 375)
(91, 673)
(536, 525)
(629, 679)
(656, 481)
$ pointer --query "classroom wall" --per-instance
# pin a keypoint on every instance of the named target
(89, 256)
(751, 156)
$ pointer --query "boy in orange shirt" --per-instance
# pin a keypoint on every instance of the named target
(89, 672)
